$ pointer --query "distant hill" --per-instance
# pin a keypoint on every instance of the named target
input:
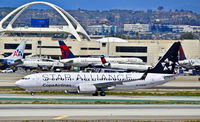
(112, 17)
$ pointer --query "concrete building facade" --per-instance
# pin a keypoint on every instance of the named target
(137, 27)
(148, 50)
(102, 29)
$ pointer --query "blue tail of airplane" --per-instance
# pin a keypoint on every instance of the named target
(66, 52)
(167, 63)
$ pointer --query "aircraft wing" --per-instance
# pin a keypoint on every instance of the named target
(66, 61)
(16, 62)
(114, 83)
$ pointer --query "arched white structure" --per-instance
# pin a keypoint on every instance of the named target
(74, 29)
(111, 39)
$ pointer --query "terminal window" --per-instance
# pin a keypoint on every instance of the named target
(14, 46)
(84, 48)
(128, 49)
(103, 44)
(50, 47)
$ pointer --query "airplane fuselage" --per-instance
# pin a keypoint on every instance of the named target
(40, 63)
(71, 81)
(83, 62)
(129, 67)
(190, 63)
(5, 63)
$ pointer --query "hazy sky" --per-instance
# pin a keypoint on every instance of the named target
(193, 5)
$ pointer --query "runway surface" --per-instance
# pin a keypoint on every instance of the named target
(99, 112)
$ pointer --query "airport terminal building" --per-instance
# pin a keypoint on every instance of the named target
(43, 38)
(148, 50)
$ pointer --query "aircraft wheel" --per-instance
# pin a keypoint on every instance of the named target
(102, 93)
(95, 94)
(197, 68)
(32, 93)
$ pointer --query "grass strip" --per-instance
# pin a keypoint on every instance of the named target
(121, 93)
(92, 101)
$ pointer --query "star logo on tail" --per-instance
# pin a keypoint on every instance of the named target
(167, 65)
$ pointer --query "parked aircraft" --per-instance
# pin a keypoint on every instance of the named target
(43, 63)
(125, 67)
(93, 82)
(188, 63)
(71, 60)
(15, 58)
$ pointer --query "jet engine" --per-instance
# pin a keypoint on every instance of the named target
(85, 88)
(70, 91)
(106, 65)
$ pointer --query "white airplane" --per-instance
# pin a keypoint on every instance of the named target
(188, 63)
(15, 58)
(125, 67)
(93, 82)
(43, 63)
(69, 59)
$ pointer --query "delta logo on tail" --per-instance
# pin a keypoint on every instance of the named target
(17, 53)
(103, 60)
(66, 53)
(181, 53)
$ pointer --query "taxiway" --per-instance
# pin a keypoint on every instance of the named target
(100, 112)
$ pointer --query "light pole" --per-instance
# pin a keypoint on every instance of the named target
(40, 46)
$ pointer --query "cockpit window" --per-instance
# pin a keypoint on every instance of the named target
(25, 78)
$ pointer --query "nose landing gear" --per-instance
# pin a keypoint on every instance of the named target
(102, 93)
(32, 93)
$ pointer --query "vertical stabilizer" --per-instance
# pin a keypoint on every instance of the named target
(66, 52)
(103, 60)
(167, 63)
(181, 54)
(19, 52)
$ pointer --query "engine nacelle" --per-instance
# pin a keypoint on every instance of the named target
(185, 62)
(86, 88)
(106, 65)
(70, 91)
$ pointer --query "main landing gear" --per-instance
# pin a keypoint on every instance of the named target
(102, 93)
(32, 93)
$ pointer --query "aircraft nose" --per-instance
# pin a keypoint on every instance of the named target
(19, 83)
